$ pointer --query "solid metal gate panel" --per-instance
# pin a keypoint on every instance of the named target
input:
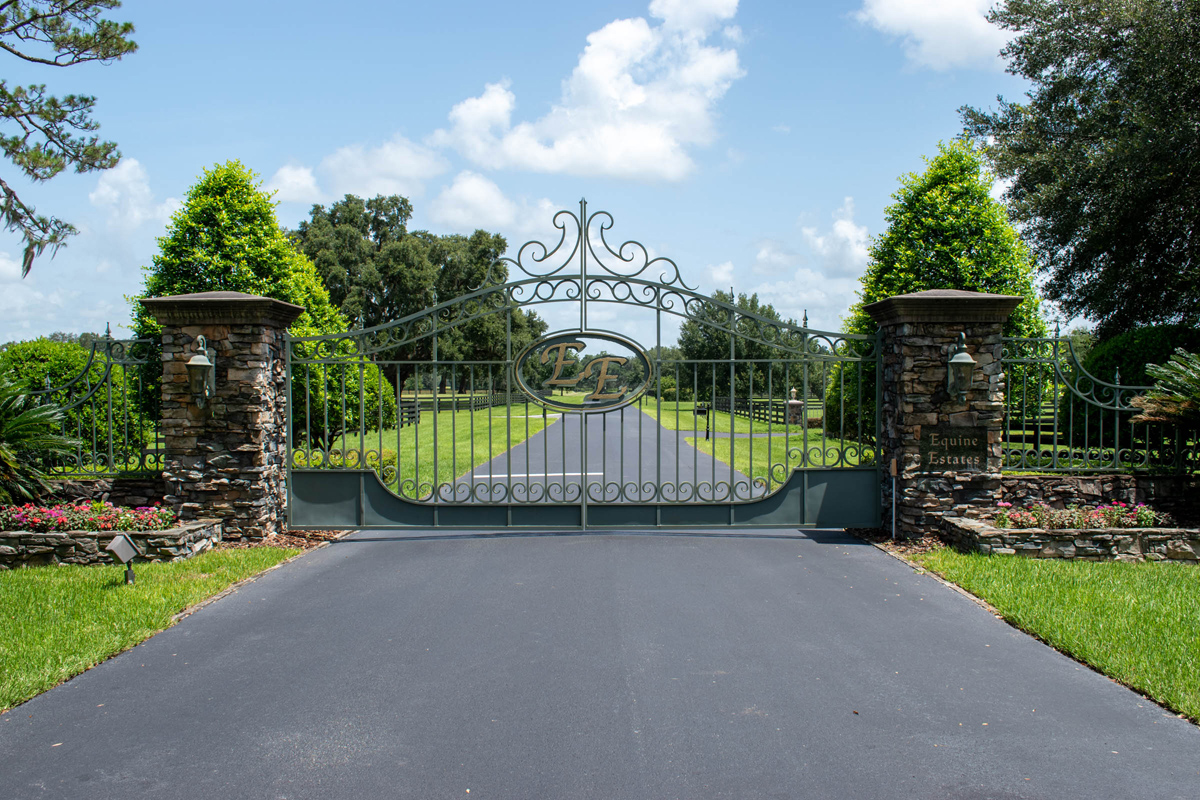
(749, 421)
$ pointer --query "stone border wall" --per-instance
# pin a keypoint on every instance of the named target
(1103, 544)
(26, 548)
(132, 492)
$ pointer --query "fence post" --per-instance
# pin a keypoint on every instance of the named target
(227, 459)
(948, 451)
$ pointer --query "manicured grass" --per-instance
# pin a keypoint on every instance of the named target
(680, 416)
(1136, 622)
(465, 439)
(756, 456)
(570, 398)
(58, 621)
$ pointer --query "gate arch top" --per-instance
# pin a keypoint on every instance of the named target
(579, 268)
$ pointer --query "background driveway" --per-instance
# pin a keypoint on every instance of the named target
(631, 666)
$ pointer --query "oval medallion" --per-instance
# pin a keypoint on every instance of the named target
(584, 371)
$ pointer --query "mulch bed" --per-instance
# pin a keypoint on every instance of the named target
(305, 540)
(901, 547)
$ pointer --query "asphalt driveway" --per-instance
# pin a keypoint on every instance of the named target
(628, 455)
(605, 666)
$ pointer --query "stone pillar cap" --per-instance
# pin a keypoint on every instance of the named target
(222, 308)
(943, 305)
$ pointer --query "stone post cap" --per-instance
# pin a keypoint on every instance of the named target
(943, 305)
(221, 308)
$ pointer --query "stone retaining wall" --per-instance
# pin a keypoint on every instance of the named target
(1103, 544)
(25, 548)
(132, 492)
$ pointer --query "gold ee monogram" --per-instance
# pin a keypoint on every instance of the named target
(597, 366)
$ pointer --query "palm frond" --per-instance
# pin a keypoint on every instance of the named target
(1175, 396)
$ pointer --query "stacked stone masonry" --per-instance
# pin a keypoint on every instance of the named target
(226, 460)
(26, 548)
(914, 367)
(1105, 544)
(918, 334)
(131, 492)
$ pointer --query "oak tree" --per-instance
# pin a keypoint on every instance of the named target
(1102, 154)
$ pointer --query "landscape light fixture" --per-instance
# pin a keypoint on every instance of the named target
(959, 369)
(202, 372)
(124, 550)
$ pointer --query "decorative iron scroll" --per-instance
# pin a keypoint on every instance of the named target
(103, 411)
(444, 430)
(1061, 418)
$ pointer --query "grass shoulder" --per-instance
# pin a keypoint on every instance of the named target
(1135, 622)
(61, 620)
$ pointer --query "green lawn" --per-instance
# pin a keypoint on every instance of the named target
(755, 456)
(58, 621)
(1137, 623)
(680, 416)
(465, 439)
(570, 398)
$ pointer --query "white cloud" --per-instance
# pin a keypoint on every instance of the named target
(822, 285)
(398, 166)
(294, 184)
(781, 128)
(693, 15)
(843, 249)
(639, 98)
(10, 269)
(721, 274)
(773, 257)
(473, 201)
(124, 192)
(22, 306)
(825, 299)
(940, 34)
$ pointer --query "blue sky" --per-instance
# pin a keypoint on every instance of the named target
(755, 143)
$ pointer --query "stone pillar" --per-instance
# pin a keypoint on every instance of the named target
(227, 460)
(948, 451)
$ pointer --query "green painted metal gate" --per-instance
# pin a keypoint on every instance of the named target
(478, 413)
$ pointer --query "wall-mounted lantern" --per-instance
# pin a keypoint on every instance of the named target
(959, 369)
(202, 372)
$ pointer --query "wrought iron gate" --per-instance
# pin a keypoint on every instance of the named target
(472, 415)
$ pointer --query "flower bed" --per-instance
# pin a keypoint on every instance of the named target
(1113, 515)
(78, 534)
(94, 516)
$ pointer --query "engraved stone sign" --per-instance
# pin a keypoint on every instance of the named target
(946, 449)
